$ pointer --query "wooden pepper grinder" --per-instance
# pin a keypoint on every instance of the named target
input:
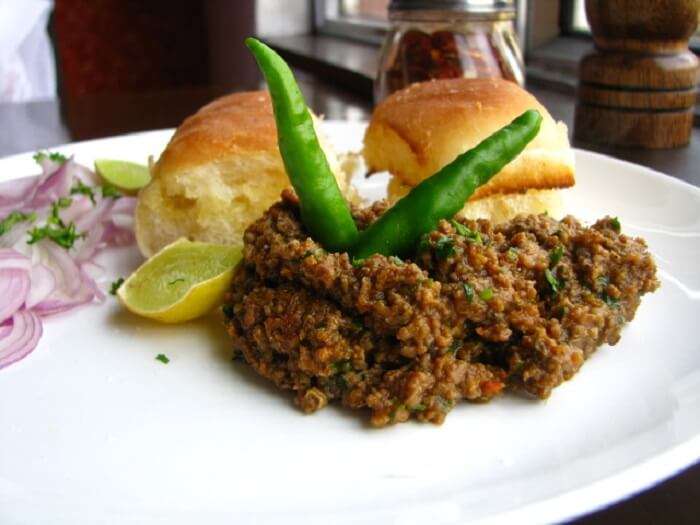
(638, 87)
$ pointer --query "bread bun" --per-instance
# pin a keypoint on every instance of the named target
(499, 207)
(220, 171)
(418, 130)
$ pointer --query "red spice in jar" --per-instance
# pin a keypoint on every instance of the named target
(424, 56)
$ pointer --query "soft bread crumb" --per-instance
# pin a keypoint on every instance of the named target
(499, 208)
(221, 170)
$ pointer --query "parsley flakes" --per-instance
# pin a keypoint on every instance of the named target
(83, 189)
(444, 247)
(110, 192)
(472, 236)
(14, 218)
(162, 358)
(115, 286)
(615, 223)
(486, 294)
(468, 292)
(54, 156)
(552, 280)
(555, 256)
(55, 229)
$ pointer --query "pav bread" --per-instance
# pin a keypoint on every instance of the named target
(221, 170)
(418, 130)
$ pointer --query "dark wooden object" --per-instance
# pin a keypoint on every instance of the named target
(638, 88)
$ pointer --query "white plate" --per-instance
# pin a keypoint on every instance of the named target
(94, 429)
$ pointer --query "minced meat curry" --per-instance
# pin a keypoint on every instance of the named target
(479, 309)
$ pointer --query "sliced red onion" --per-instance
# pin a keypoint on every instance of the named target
(72, 287)
(43, 283)
(12, 237)
(123, 221)
(13, 193)
(79, 207)
(90, 244)
(21, 339)
(114, 236)
(48, 166)
(95, 216)
(58, 304)
(84, 174)
(14, 287)
(91, 272)
(125, 205)
(120, 226)
(5, 329)
(12, 259)
(45, 279)
(55, 186)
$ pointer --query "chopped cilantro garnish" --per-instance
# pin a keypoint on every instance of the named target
(555, 256)
(64, 236)
(396, 409)
(602, 282)
(110, 192)
(227, 310)
(341, 366)
(62, 202)
(163, 358)
(612, 302)
(615, 223)
(471, 235)
(456, 345)
(424, 243)
(340, 381)
(13, 218)
(512, 254)
(445, 405)
(83, 189)
(468, 292)
(486, 294)
(55, 229)
(115, 286)
(552, 280)
(175, 281)
(444, 247)
(357, 263)
(316, 252)
(53, 156)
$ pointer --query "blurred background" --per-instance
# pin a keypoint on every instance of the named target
(68, 48)
(101, 62)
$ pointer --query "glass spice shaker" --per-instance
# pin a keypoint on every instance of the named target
(430, 39)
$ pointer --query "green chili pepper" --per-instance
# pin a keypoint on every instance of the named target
(324, 211)
(444, 194)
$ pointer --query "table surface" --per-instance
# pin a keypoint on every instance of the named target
(37, 125)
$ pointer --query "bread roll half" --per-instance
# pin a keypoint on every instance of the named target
(220, 171)
(418, 130)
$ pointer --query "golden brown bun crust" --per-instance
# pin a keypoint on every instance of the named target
(231, 124)
(416, 131)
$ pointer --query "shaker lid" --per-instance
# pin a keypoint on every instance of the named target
(470, 6)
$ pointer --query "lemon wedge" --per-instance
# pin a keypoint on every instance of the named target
(127, 177)
(183, 281)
